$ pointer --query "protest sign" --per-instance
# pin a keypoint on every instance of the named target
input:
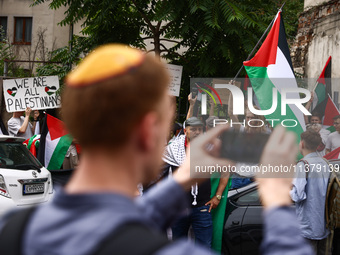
(175, 73)
(36, 93)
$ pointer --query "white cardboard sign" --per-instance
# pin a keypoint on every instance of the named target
(175, 72)
(37, 93)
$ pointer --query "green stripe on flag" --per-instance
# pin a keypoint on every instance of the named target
(218, 214)
(59, 152)
(30, 141)
(331, 129)
(320, 92)
(263, 88)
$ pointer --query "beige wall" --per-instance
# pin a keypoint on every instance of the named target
(43, 18)
(310, 3)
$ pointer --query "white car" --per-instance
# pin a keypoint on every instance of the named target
(23, 180)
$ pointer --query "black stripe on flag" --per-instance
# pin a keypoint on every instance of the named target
(282, 43)
(42, 144)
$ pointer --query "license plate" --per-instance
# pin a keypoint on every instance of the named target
(37, 188)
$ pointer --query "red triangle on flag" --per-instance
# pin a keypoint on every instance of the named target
(322, 75)
(333, 154)
(266, 55)
(56, 127)
(330, 112)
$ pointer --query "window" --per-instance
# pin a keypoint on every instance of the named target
(22, 30)
(3, 25)
(250, 198)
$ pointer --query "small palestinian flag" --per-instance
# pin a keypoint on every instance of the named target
(323, 89)
(33, 144)
(54, 143)
(12, 92)
(271, 68)
(330, 112)
(50, 90)
(335, 154)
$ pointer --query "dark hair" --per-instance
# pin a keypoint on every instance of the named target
(311, 139)
(315, 114)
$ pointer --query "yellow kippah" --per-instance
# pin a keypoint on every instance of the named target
(103, 63)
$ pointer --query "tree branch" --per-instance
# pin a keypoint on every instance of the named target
(146, 38)
(168, 40)
(144, 17)
(161, 44)
(165, 27)
(158, 25)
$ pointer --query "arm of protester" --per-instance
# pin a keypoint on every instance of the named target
(214, 201)
(192, 102)
(205, 151)
(24, 126)
(328, 145)
(173, 190)
(298, 192)
(281, 236)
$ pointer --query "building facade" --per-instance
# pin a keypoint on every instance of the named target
(318, 37)
(34, 31)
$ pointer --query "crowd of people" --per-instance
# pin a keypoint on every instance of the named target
(97, 212)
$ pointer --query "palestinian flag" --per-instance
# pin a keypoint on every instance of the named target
(218, 214)
(270, 68)
(246, 84)
(54, 143)
(322, 89)
(330, 112)
(33, 144)
(335, 154)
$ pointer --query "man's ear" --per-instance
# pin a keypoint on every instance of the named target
(302, 144)
(185, 131)
(148, 131)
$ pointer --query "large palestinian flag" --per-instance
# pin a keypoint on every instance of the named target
(270, 68)
(322, 89)
(54, 143)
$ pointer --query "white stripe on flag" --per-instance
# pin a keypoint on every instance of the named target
(282, 69)
(49, 148)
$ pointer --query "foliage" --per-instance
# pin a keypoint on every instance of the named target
(206, 37)
(7, 53)
(63, 59)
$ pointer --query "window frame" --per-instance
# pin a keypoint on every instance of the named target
(23, 31)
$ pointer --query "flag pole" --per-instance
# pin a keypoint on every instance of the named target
(257, 44)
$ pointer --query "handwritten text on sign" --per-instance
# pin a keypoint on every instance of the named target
(36, 93)
(175, 73)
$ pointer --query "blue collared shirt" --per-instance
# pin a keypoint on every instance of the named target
(309, 195)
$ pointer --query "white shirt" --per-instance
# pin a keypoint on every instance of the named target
(14, 124)
(333, 141)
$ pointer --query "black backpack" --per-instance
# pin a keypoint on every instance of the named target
(131, 238)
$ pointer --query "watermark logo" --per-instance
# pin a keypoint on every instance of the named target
(238, 99)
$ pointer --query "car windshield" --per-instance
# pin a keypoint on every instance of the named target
(16, 156)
